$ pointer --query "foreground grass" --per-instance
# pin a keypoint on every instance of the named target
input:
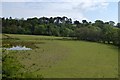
(84, 60)
(66, 59)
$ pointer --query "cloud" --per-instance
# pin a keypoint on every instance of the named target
(75, 9)
(58, 0)
(91, 5)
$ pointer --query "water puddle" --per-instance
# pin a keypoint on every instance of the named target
(18, 48)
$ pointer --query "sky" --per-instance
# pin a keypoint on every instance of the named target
(90, 10)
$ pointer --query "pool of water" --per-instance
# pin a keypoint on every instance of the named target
(18, 48)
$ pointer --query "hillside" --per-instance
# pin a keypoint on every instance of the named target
(54, 57)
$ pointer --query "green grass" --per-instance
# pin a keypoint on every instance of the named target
(30, 37)
(67, 59)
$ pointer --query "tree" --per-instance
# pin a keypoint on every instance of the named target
(77, 23)
(98, 31)
(115, 36)
(40, 30)
(84, 21)
(112, 23)
(107, 33)
(118, 25)
(99, 23)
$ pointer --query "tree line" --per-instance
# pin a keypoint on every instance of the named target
(99, 31)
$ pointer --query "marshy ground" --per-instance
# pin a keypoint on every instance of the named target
(53, 57)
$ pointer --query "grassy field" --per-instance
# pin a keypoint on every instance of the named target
(53, 57)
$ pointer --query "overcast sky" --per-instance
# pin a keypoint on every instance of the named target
(91, 10)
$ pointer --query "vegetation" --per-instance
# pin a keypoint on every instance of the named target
(12, 68)
(59, 58)
(106, 32)
(60, 48)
